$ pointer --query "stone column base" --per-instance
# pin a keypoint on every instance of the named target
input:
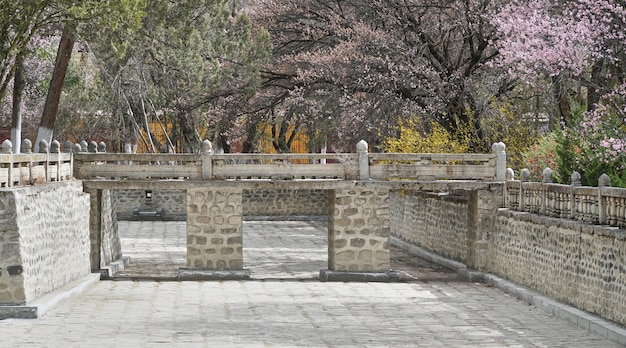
(208, 274)
(327, 275)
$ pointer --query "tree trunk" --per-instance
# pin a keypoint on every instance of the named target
(48, 117)
(16, 116)
(560, 95)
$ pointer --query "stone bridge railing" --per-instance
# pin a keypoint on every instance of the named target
(27, 168)
(361, 165)
(602, 205)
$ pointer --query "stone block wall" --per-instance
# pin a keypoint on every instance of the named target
(214, 229)
(44, 239)
(285, 202)
(358, 231)
(255, 203)
(171, 202)
(578, 264)
(435, 222)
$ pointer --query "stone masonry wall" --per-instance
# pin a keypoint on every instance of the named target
(437, 223)
(214, 229)
(255, 203)
(11, 278)
(285, 202)
(582, 265)
(172, 202)
(358, 231)
(44, 239)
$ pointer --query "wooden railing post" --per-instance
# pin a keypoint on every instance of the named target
(363, 160)
(207, 160)
(603, 181)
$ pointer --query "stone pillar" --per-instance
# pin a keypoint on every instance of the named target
(95, 228)
(482, 210)
(214, 234)
(358, 236)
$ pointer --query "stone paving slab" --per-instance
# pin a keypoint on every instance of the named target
(300, 311)
(294, 313)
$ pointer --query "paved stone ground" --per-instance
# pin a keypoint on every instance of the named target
(272, 250)
(301, 311)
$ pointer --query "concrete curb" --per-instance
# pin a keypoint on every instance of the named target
(40, 306)
(582, 319)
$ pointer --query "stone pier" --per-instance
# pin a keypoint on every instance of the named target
(358, 236)
(214, 234)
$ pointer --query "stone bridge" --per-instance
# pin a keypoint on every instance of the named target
(358, 188)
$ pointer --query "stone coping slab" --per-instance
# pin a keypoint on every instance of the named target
(38, 307)
(200, 274)
(327, 275)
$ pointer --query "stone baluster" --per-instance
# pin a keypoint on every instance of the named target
(102, 147)
(510, 175)
(524, 177)
(603, 181)
(7, 148)
(207, 159)
(499, 150)
(363, 160)
(84, 147)
(545, 203)
(77, 148)
(576, 182)
(55, 157)
(43, 149)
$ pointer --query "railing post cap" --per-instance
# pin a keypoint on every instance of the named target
(525, 175)
(576, 179)
(102, 147)
(27, 146)
(43, 146)
(77, 148)
(362, 146)
(7, 146)
(68, 146)
(498, 147)
(510, 174)
(547, 175)
(207, 146)
(93, 147)
(604, 181)
(55, 147)
(84, 146)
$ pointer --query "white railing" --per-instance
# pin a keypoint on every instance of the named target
(603, 205)
(361, 165)
(29, 168)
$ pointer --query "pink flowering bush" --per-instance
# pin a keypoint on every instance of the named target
(594, 143)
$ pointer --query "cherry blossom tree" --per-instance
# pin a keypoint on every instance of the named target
(565, 41)
(352, 69)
